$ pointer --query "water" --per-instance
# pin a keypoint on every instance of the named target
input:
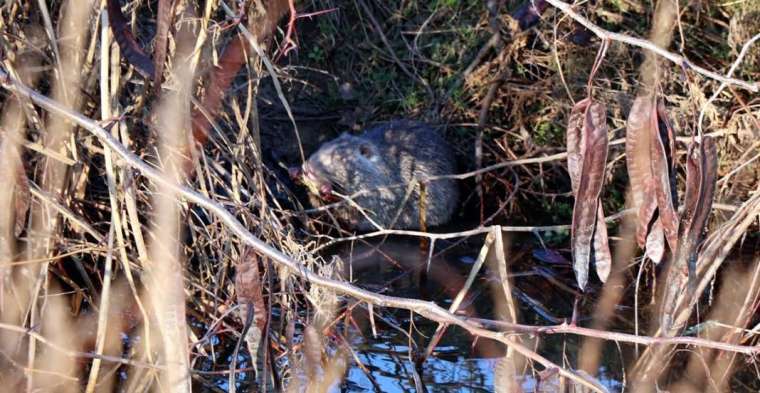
(459, 363)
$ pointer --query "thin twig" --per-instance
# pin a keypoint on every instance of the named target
(105, 298)
(467, 233)
(426, 309)
(724, 84)
(256, 45)
(459, 298)
(566, 328)
(68, 352)
(644, 44)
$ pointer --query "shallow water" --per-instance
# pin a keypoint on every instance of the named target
(383, 357)
(458, 363)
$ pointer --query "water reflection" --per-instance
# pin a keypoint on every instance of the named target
(405, 268)
(459, 363)
(386, 346)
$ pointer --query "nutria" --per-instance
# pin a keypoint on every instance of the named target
(392, 154)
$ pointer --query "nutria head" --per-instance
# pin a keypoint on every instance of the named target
(381, 171)
(345, 166)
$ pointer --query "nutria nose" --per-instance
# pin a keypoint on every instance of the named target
(325, 191)
(295, 173)
(306, 173)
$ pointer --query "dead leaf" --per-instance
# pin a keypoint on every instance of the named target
(248, 288)
(163, 21)
(127, 43)
(650, 157)
(655, 242)
(647, 217)
(586, 160)
(701, 178)
(663, 149)
(637, 154)
(601, 248)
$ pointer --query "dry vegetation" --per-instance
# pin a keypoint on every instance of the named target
(133, 259)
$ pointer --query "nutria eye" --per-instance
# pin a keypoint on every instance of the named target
(365, 151)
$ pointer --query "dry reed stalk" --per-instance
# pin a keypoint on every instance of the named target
(164, 272)
(62, 371)
(511, 365)
(12, 132)
(73, 25)
(14, 285)
(103, 315)
(121, 188)
(286, 263)
(612, 293)
(108, 344)
(661, 35)
(714, 252)
(127, 187)
(726, 322)
(105, 292)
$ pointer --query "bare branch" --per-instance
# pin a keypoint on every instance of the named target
(724, 84)
(566, 328)
(495, 330)
(426, 309)
(472, 232)
(648, 45)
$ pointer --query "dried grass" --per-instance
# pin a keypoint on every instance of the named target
(107, 252)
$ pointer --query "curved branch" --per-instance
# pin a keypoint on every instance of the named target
(644, 44)
(426, 309)
(495, 330)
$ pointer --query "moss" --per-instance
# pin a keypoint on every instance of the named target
(548, 133)
(412, 101)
